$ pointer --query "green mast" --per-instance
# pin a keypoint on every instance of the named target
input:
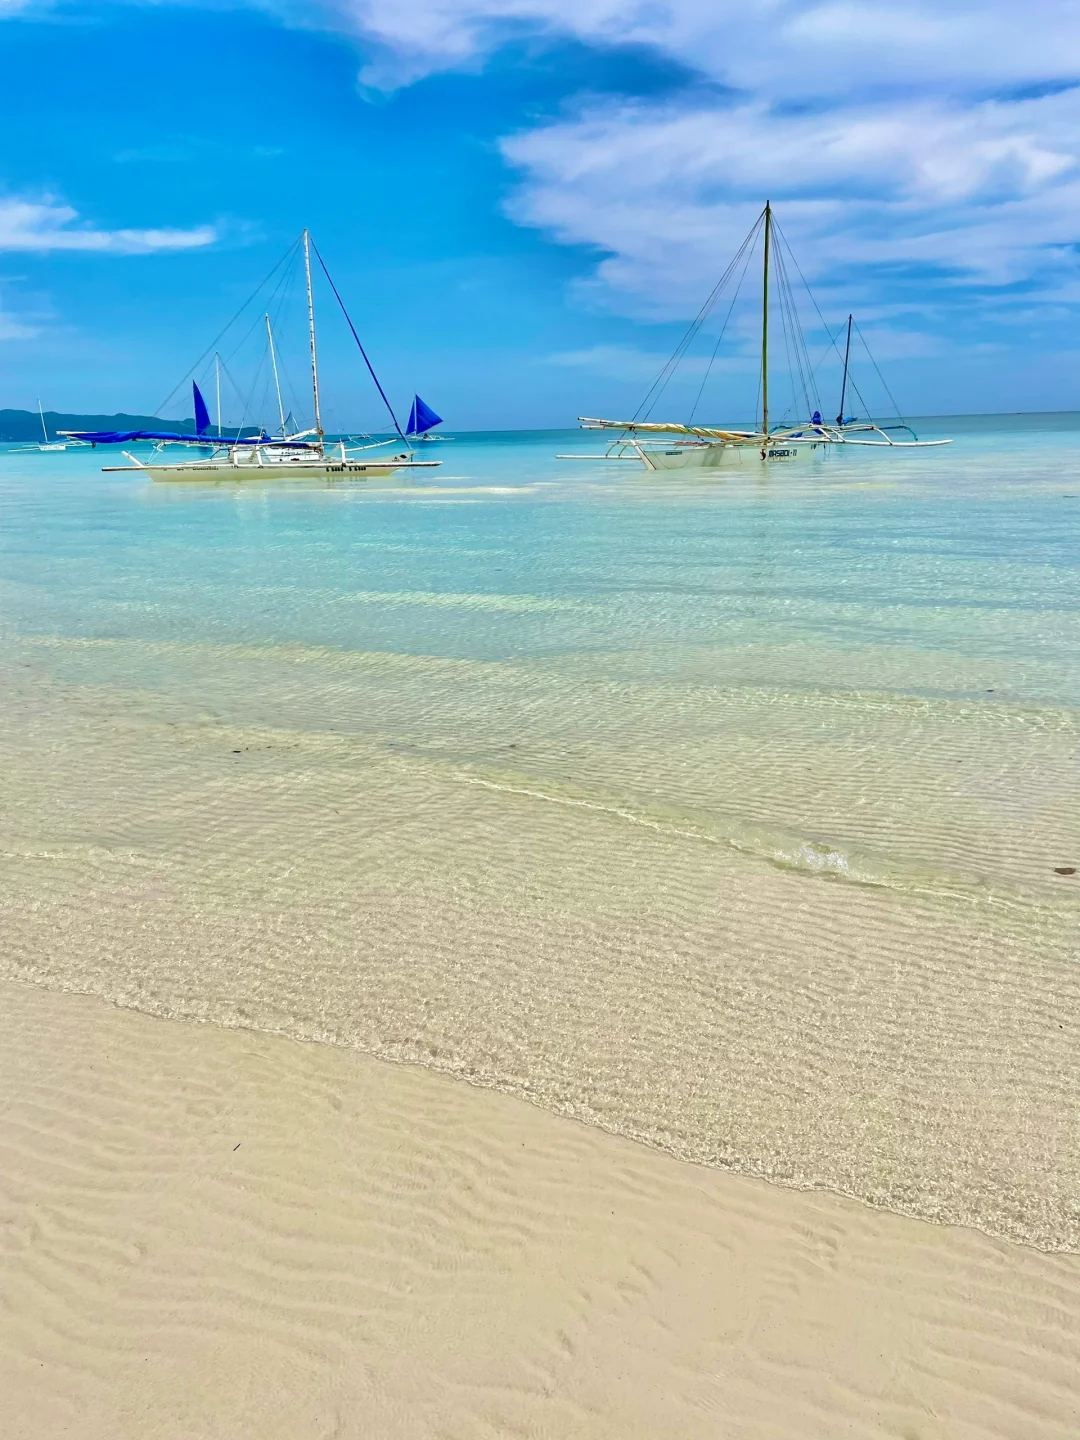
(765, 325)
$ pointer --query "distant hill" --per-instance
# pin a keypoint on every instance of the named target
(26, 424)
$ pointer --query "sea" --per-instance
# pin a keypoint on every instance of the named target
(734, 812)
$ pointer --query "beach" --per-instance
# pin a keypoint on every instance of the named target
(220, 1233)
(629, 933)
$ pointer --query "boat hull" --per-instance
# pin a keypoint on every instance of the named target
(325, 470)
(724, 456)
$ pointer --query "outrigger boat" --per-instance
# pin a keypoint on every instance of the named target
(672, 446)
(422, 420)
(305, 455)
(45, 443)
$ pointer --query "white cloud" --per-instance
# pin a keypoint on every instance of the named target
(890, 132)
(990, 191)
(778, 47)
(44, 225)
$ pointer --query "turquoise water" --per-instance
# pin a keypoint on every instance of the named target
(724, 811)
(966, 554)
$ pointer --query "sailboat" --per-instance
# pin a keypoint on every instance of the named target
(305, 455)
(422, 420)
(46, 443)
(692, 446)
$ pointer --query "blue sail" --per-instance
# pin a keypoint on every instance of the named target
(202, 415)
(421, 418)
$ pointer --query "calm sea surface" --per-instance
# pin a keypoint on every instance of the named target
(722, 811)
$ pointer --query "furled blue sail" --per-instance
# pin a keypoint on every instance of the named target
(202, 415)
(421, 418)
(124, 437)
(121, 437)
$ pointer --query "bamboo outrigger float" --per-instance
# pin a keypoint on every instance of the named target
(706, 447)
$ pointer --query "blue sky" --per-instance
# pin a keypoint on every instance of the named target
(524, 201)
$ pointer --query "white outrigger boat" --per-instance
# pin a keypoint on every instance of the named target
(44, 443)
(305, 455)
(673, 446)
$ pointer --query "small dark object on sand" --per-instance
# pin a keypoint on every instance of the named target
(1064, 869)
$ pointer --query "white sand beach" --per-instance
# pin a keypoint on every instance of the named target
(214, 1233)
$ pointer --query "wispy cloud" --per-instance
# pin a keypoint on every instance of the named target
(897, 134)
(23, 321)
(48, 225)
(775, 47)
(13, 327)
(987, 192)
(938, 140)
(615, 362)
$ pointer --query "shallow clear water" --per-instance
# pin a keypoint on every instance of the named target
(725, 811)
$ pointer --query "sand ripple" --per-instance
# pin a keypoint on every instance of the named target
(811, 935)
(231, 1236)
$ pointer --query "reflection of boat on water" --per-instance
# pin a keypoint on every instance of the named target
(661, 445)
(304, 455)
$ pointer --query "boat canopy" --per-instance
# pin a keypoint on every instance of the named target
(421, 418)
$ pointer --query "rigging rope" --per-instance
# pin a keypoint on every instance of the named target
(881, 377)
(225, 328)
(723, 329)
(359, 346)
(828, 332)
(656, 389)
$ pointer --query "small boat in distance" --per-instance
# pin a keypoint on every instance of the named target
(693, 446)
(44, 443)
(305, 455)
(422, 420)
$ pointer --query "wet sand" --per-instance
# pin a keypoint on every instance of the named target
(219, 1233)
(905, 1036)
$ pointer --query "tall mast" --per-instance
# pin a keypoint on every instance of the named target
(217, 386)
(277, 382)
(311, 332)
(843, 387)
(765, 324)
(41, 412)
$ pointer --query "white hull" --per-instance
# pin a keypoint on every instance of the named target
(724, 456)
(246, 470)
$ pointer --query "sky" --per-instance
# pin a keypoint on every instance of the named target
(523, 203)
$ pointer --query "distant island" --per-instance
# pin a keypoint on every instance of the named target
(26, 424)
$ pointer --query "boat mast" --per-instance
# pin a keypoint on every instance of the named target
(217, 384)
(41, 412)
(277, 383)
(765, 324)
(843, 387)
(311, 333)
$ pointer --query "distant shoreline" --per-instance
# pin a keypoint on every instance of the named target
(25, 425)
